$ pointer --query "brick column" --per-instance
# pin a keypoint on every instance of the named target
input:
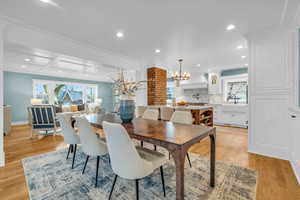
(157, 86)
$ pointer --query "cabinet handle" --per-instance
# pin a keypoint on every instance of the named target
(293, 116)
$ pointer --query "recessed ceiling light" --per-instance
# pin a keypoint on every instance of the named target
(23, 66)
(60, 71)
(157, 50)
(230, 27)
(243, 57)
(120, 34)
(27, 59)
(246, 64)
(198, 65)
(45, 1)
(240, 47)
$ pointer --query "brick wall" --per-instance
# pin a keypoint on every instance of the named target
(157, 86)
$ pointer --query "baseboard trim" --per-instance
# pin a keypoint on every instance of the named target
(18, 123)
(2, 159)
(270, 151)
(296, 167)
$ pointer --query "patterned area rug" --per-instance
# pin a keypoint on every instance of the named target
(49, 176)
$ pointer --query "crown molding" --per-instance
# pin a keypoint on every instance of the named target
(126, 62)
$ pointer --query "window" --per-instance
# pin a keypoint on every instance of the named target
(41, 91)
(61, 93)
(170, 93)
(236, 89)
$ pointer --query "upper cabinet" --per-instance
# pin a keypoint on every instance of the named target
(198, 80)
(214, 83)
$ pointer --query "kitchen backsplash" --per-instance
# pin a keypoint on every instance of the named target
(201, 96)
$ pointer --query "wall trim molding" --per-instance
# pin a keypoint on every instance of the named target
(130, 62)
(2, 158)
(19, 123)
(295, 166)
(270, 151)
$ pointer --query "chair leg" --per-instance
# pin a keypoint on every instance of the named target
(142, 143)
(74, 154)
(137, 189)
(155, 148)
(113, 186)
(188, 157)
(97, 169)
(86, 161)
(69, 151)
(162, 180)
(169, 156)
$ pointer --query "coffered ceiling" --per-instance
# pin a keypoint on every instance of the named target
(194, 30)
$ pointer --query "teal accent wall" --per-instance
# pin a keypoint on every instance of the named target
(232, 72)
(18, 92)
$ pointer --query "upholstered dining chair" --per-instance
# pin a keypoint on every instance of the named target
(91, 144)
(152, 114)
(139, 162)
(140, 110)
(70, 135)
(166, 113)
(182, 117)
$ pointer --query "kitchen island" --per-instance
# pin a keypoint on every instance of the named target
(201, 114)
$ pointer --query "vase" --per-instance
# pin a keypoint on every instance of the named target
(127, 109)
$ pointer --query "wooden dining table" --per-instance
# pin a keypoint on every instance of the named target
(176, 138)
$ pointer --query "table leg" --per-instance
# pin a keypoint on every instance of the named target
(179, 159)
(212, 158)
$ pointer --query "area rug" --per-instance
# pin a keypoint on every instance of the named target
(49, 176)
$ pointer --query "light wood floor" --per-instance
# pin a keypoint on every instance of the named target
(276, 180)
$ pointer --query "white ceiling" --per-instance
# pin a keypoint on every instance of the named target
(194, 30)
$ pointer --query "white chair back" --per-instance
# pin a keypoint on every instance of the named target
(166, 113)
(140, 111)
(182, 117)
(125, 159)
(91, 144)
(70, 136)
(151, 114)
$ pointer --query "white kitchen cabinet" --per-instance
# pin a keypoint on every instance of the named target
(231, 115)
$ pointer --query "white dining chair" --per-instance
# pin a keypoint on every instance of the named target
(69, 134)
(138, 162)
(166, 113)
(152, 114)
(140, 110)
(91, 144)
(182, 117)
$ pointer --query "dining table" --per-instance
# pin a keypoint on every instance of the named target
(175, 137)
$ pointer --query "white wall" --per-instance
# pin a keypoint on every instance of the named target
(2, 157)
(269, 93)
(141, 95)
(294, 108)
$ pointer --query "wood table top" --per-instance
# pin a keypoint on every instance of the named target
(164, 131)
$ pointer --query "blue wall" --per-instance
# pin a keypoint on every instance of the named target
(18, 92)
(232, 72)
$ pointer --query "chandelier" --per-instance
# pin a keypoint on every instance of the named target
(181, 75)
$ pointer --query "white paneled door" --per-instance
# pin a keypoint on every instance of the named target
(269, 93)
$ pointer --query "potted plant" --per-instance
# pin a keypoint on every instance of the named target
(126, 92)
